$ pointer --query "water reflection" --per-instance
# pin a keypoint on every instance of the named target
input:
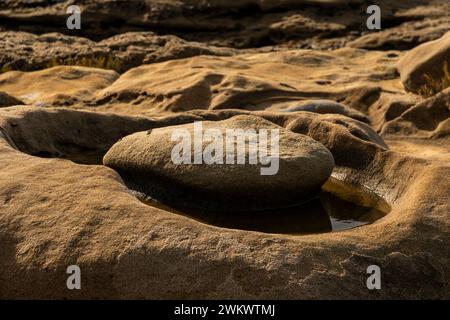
(339, 206)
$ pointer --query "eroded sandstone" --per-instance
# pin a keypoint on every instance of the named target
(60, 206)
(270, 169)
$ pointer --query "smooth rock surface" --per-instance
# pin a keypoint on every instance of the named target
(425, 64)
(60, 206)
(330, 107)
(68, 84)
(253, 81)
(144, 161)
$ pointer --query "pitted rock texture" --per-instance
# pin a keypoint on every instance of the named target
(27, 52)
(254, 81)
(57, 212)
(67, 99)
(312, 24)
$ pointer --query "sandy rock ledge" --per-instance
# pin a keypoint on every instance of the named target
(56, 213)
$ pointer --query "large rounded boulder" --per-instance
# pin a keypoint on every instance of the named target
(242, 163)
(426, 68)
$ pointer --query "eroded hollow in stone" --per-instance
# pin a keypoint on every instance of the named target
(85, 137)
(339, 206)
(75, 153)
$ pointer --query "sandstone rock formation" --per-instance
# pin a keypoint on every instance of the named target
(328, 106)
(312, 24)
(6, 100)
(293, 170)
(427, 67)
(68, 84)
(405, 36)
(132, 246)
(247, 81)
(26, 52)
(429, 118)
(174, 62)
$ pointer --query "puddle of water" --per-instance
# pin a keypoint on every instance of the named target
(339, 206)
